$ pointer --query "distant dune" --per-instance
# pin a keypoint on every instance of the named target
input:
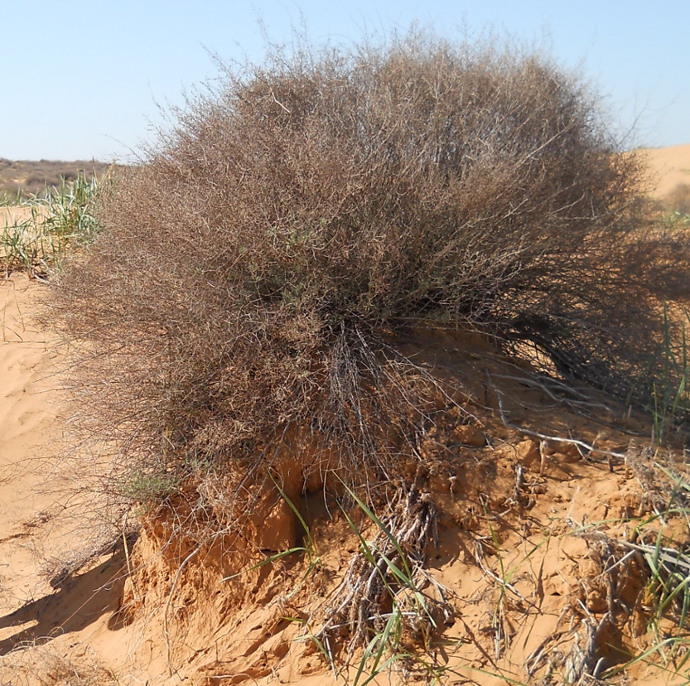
(668, 167)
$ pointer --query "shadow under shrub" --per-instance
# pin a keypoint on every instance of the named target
(254, 270)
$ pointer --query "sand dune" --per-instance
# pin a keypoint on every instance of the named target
(669, 167)
(232, 635)
(236, 629)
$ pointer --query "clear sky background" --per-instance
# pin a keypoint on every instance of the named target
(86, 80)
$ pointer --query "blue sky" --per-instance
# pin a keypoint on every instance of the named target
(86, 80)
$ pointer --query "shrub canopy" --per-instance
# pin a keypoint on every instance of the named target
(249, 267)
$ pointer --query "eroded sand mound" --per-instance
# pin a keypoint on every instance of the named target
(544, 500)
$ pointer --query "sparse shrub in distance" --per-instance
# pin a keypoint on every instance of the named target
(22, 178)
(254, 270)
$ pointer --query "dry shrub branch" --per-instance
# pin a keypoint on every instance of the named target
(254, 271)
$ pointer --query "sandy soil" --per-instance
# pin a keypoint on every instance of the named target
(28, 423)
(527, 529)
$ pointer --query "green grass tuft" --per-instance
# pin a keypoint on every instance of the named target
(57, 221)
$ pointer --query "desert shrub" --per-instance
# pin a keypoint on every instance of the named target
(255, 269)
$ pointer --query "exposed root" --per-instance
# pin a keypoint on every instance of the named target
(582, 663)
(387, 579)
